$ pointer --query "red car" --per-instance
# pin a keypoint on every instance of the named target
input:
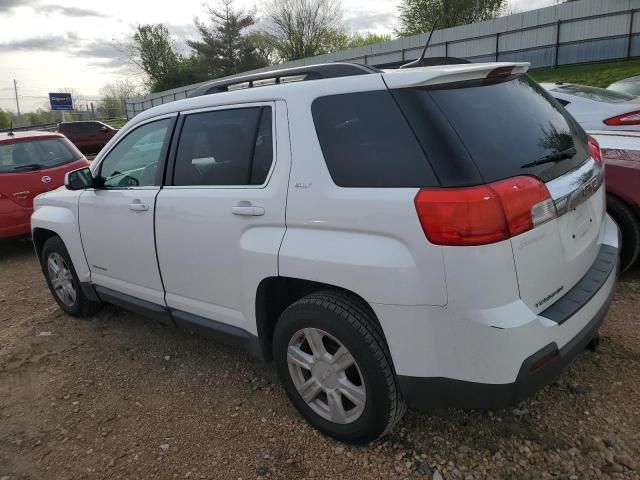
(89, 136)
(31, 163)
(621, 154)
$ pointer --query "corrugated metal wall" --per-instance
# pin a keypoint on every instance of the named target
(574, 32)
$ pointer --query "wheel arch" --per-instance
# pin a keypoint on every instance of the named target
(40, 236)
(61, 221)
(275, 294)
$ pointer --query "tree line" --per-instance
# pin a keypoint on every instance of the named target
(233, 40)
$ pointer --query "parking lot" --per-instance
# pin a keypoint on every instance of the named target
(118, 396)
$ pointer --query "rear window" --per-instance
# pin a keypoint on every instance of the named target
(45, 153)
(629, 88)
(595, 94)
(79, 127)
(490, 130)
(366, 142)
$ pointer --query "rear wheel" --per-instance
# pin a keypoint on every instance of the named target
(629, 225)
(336, 367)
(63, 281)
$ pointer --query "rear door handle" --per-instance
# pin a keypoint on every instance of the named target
(138, 206)
(247, 210)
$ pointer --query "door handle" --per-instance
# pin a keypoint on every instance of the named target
(247, 210)
(138, 206)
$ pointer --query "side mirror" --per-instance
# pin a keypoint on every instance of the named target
(78, 179)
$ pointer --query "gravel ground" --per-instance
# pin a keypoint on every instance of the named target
(117, 396)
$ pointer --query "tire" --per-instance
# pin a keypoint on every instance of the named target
(629, 228)
(338, 320)
(78, 304)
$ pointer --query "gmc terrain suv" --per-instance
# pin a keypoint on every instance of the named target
(424, 237)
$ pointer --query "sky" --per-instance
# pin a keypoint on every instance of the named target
(58, 45)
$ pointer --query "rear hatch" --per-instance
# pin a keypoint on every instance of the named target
(483, 131)
(29, 167)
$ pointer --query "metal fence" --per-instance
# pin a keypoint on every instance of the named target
(575, 32)
(52, 127)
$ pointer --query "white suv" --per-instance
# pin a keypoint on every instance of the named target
(425, 237)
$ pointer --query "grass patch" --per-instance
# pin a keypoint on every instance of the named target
(597, 74)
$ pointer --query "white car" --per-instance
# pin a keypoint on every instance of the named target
(630, 86)
(428, 237)
(598, 108)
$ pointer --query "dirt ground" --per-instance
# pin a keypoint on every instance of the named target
(118, 396)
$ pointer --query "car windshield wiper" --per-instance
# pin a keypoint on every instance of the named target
(554, 157)
(27, 167)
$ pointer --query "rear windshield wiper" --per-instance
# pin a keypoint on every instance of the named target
(554, 157)
(27, 167)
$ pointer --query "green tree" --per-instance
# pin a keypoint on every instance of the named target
(303, 28)
(225, 47)
(418, 16)
(154, 52)
(5, 120)
(358, 40)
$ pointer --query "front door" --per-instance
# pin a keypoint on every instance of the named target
(221, 219)
(117, 221)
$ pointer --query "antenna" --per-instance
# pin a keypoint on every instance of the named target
(10, 134)
(418, 62)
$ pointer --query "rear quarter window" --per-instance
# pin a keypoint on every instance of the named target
(366, 142)
(45, 153)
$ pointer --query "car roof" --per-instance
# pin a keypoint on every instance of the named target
(10, 137)
(400, 78)
(634, 79)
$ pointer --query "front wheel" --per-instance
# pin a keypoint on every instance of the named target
(63, 281)
(336, 367)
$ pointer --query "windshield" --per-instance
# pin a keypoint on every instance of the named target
(595, 94)
(489, 130)
(35, 154)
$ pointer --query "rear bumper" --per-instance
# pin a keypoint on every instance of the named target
(14, 220)
(423, 392)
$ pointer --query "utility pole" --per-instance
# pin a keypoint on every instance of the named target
(15, 88)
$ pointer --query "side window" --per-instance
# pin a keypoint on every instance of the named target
(225, 147)
(133, 162)
(366, 142)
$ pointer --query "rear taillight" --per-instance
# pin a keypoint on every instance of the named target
(594, 149)
(631, 118)
(483, 214)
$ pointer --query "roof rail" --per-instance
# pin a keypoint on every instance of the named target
(286, 75)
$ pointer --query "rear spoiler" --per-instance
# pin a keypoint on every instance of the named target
(425, 76)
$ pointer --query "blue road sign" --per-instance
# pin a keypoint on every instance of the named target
(61, 101)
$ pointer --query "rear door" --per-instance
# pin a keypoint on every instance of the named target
(221, 218)
(117, 221)
(489, 130)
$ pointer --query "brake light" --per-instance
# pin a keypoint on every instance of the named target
(484, 214)
(631, 118)
(500, 72)
(594, 149)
